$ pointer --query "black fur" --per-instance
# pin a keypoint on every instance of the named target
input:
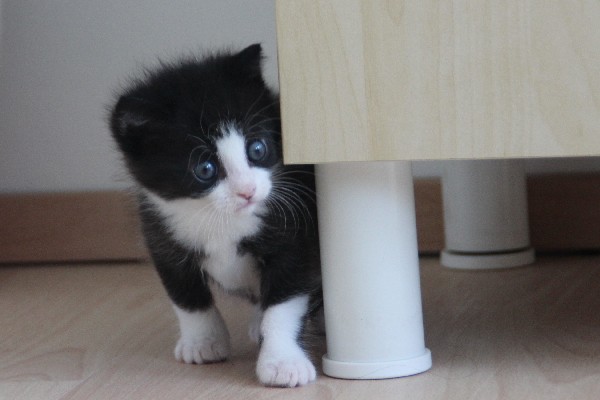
(157, 123)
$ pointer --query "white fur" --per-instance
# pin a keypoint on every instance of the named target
(242, 179)
(204, 336)
(281, 361)
(217, 238)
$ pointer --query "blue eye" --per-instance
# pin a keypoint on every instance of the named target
(257, 150)
(205, 171)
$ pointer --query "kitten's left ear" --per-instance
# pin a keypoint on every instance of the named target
(250, 60)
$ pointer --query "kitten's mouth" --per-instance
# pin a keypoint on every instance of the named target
(247, 206)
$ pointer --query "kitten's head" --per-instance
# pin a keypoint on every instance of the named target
(203, 128)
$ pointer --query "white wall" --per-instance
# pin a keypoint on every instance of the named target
(61, 61)
(1, 2)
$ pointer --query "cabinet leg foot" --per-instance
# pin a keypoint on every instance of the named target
(485, 215)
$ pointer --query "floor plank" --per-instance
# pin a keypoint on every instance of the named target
(107, 331)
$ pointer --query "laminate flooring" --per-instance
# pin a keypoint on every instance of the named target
(106, 331)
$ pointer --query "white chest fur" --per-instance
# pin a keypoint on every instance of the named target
(232, 271)
(198, 227)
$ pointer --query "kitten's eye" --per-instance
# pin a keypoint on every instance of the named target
(205, 171)
(257, 150)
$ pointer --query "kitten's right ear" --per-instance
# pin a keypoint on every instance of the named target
(129, 120)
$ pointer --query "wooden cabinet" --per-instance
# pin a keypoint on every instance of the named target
(388, 80)
(383, 80)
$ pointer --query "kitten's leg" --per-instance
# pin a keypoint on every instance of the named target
(204, 336)
(319, 322)
(282, 362)
(254, 325)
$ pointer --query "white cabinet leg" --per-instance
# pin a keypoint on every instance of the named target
(371, 285)
(485, 215)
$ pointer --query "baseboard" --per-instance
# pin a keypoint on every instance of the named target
(69, 227)
(564, 212)
(564, 215)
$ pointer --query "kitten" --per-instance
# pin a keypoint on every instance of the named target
(201, 138)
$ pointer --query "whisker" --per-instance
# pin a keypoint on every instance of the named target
(274, 207)
(263, 91)
(299, 189)
(282, 201)
(196, 138)
(249, 128)
(258, 112)
(297, 208)
(298, 195)
(286, 172)
(294, 184)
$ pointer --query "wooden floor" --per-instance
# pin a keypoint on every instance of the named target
(107, 332)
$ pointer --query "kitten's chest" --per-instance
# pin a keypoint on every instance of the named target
(217, 238)
(232, 270)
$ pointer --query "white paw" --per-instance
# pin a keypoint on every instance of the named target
(204, 337)
(288, 371)
(201, 352)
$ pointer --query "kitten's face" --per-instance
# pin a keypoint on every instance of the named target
(234, 176)
(206, 130)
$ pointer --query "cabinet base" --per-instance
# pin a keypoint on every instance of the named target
(475, 261)
(377, 370)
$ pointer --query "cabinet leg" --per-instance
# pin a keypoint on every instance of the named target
(371, 284)
(485, 215)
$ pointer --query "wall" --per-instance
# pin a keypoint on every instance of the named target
(62, 60)
(539, 166)
(1, 34)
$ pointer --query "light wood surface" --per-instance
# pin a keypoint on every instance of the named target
(379, 80)
(107, 332)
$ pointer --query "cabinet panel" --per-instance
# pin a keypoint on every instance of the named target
(378, 80)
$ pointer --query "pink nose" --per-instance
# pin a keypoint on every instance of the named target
(247, 193)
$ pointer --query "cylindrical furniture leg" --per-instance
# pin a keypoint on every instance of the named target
(485, 215)
(371, 285)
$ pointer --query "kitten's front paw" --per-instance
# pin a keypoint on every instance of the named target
(290, 371)
(201, 352)
(204, 337)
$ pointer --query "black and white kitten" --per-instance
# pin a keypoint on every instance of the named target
(201, 138)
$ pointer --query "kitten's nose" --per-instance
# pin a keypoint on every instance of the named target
(247, 193)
